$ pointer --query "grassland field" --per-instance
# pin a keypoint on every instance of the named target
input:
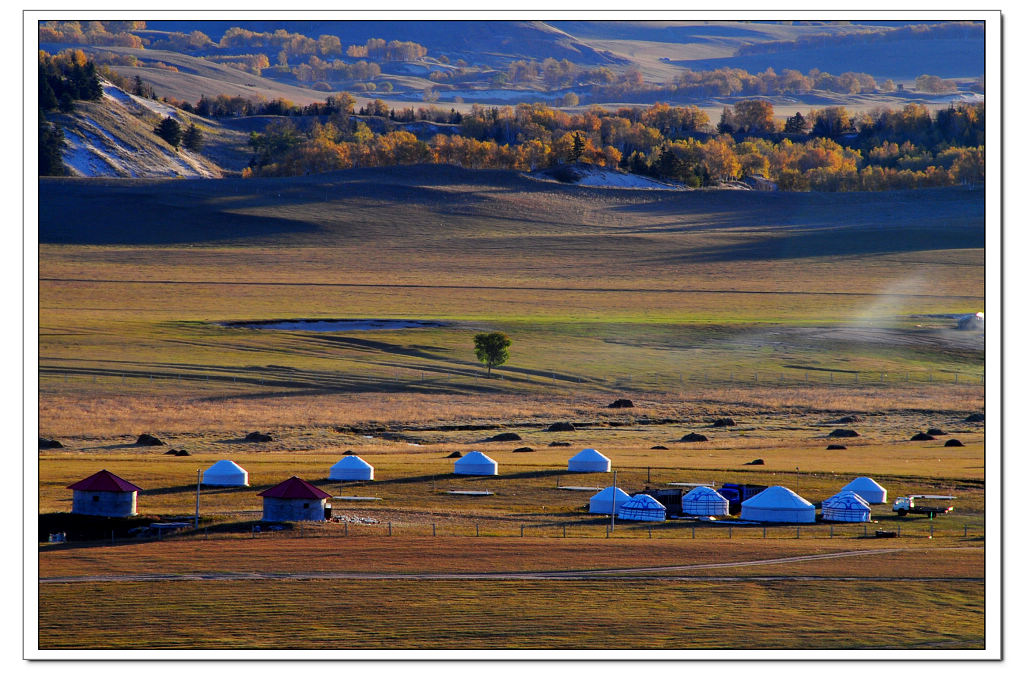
(783, 311)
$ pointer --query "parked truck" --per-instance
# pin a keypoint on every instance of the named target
(907, 505)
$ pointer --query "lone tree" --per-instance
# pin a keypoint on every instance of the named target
(170, 131)
(192, 138)
(492, 349)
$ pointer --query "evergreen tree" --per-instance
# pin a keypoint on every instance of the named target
(170, 131)
(796, 124)
(51, 146)
(192, 139)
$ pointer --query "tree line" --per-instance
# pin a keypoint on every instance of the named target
(830, 150)
(63, 79)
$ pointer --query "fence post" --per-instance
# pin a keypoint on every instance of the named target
(648, 532)
(433, 528)
(693, 532)
(865, 529)
(389, 528)
(764, 532)
(898, 528)
(931, 530)
(521, 530)
(478, 530)
(965, 531)
(346, 528)
(730, 532)
(607, 531)
(831, 530)
(798, 532)
(563, 531)
(111, 537)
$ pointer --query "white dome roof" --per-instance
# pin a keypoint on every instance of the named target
(590, 454)
(845, 500)
(777, 497)
(643, 501)
(351, 468)
(225, 473)
(476, 457)
(868, 489)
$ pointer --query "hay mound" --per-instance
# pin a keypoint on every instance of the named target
(756, 461)
(723, 422)
(258, 437)
(176, 452)
(561, 427)
(975, 418)
(843, 433)
(523, 449)
(954, 442)
(621, 403)
(936, 431)
(560, 444)
(454, 454)
(693, 437)
(846, 420)
(921, 437)
(659, 447)
(45, 443)
(504, 437)
(148, 440)
(835, 447)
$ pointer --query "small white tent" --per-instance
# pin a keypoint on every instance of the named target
(846, 506)
(642, 508)
(777, 504)
(476, 463)
(868, 489)
(705, 502)
(590, 460)
(351, 468)
(608, 500)
(225, 473)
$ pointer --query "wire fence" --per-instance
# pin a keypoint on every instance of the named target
(585, 530)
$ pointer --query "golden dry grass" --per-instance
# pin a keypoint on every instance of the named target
(493, 616)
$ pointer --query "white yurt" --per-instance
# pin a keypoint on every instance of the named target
(590, 460)
(705, 502)
(351, 468)
(476, 463)
(845, 506)
(868, 489)
(777, 504)
(225, 473)
(608, 500)
(642, 508)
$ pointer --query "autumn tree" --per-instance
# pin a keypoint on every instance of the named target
(491, 349)
(754, 115)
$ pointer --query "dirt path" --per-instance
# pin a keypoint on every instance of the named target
(661, 573)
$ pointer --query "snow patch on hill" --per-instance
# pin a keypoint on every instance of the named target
(115, 94)
(595, 176)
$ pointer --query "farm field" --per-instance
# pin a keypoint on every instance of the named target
(785, 312)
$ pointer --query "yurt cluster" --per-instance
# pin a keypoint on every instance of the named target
(295, 499)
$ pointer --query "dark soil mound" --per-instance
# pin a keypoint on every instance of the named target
(561, 427)
(454, 454)
(522, 449)
(45, 443)
(846, 420)
(560, 444)
(621, 403)
(921, 437)
(756, 461)
(835, 447)
(148, 440)
(504, 437)
(843, 433)
(954, 442)
(694, 437)
(659, 447)
(258, 437)
(936, 432)
(179, 452)
(975, 418)
(723, 422)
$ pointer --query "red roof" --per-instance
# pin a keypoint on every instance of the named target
(104, 481)
(294, 488)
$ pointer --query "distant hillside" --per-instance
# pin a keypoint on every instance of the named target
(493, 40)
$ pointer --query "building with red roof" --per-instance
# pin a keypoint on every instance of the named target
(294, 500)
(104, 494)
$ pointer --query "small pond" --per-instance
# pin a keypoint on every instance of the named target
(333, 325)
